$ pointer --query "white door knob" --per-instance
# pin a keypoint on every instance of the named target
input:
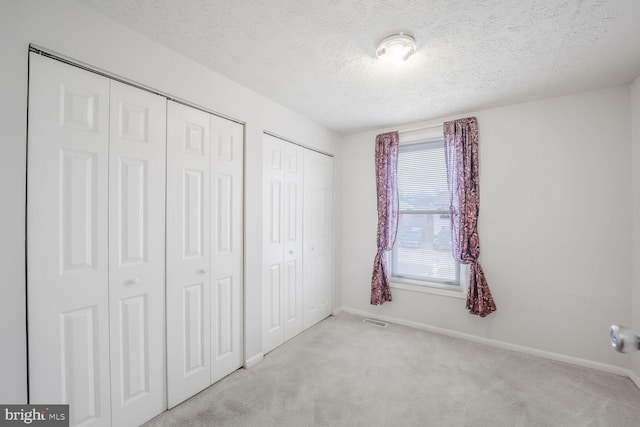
(202, 271)
(133, 281)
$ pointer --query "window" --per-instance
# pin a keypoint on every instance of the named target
(422, 251)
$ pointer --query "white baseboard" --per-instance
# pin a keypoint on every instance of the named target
(253, 360)
(501, 344)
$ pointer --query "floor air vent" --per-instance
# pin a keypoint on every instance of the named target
(377, 323)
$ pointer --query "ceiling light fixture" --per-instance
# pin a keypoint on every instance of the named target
(396, 48)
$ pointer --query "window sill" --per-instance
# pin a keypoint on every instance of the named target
(427, 288)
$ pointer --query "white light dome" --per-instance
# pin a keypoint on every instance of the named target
(396, 48)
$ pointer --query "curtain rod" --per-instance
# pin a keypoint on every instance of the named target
(416, 129)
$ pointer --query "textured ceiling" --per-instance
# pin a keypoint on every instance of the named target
(317, 57)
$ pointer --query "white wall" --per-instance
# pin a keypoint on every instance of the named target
(555, 215)
(635, 300)
(73, 30)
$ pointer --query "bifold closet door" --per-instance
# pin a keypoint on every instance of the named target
(96, 246)
(282, 250)
(67, 240)
(204, 250)
(227, 251)
(188, 256)
(292, 238)
(137, 147)
(318, 237)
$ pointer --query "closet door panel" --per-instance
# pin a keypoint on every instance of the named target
(318, 237)
(188, 252)
(325, 236)
(326, 242)
(136, 254)
(226, 247)
(292, 238)
(298, 245)
(273, 193)
(67, 232)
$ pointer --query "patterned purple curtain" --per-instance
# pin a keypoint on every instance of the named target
(386, 173)
(461, 154)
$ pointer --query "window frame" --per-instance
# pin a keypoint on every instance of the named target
(413, 283)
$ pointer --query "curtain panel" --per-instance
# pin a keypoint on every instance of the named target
(461, 155)
(386, 158)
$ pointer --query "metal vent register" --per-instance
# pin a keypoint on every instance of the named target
(377, 323)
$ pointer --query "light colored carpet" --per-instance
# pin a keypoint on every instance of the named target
(343, 372)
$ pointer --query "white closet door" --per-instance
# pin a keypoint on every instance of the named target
(318, 237)
(283, 248)
(136, 254)
(188, 254)
(67, 259)
(273, 179)
(226, 247)
(292, 236)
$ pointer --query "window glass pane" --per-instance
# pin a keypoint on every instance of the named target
(422, 177)
(423, 244)
(423, 249)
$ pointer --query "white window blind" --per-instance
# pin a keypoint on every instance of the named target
(422, 250)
